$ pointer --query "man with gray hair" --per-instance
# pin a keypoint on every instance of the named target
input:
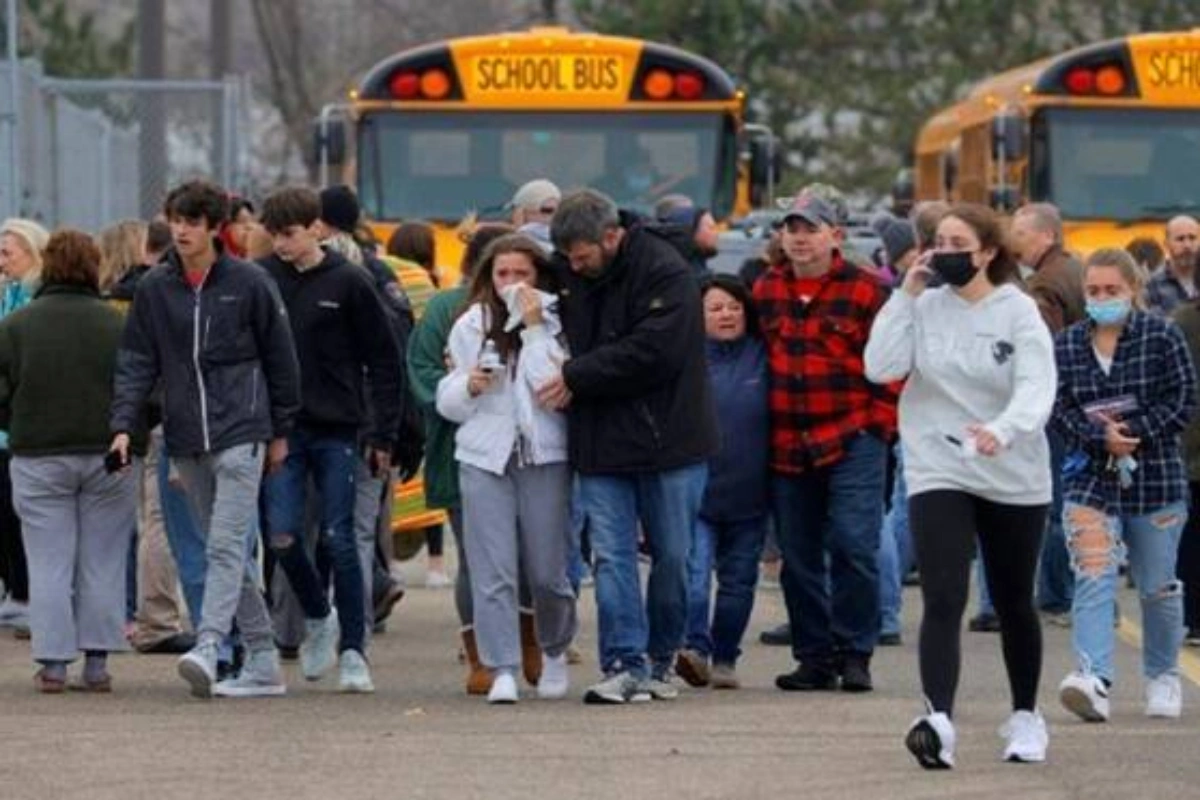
(533, 207)
(1056, 279)
(1056, 284)
(1175, 282)
(641, 428)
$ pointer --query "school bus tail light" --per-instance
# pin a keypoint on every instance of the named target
(420, 75)
(405, 85)
(689, 86)
(435, 84)
(667, 74)
(658, 84)
(1102, 70)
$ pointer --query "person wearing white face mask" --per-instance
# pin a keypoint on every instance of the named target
(980, 386)
(1127, 389)
(512, 456)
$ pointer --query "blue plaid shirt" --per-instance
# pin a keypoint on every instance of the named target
(1152, 366)
(1164, 292)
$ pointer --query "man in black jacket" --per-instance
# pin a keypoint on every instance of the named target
(214, 331)
(641, 429)
(344, 341)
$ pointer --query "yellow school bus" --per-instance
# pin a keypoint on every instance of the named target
(1109, 133)
(457, 126)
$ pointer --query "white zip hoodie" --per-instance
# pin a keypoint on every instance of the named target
(489, 424)
(989, 363)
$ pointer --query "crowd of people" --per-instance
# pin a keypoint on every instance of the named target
(237, 390)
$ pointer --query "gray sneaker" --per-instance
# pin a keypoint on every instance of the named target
(724, 676)
(620, 687)
(198, 667)
(318, 653)
(260, 677)
(660, 688)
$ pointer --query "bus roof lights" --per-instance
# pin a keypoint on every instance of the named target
(689, 86)
(435, 84)
(1110, 80)
(406, 85)
(1080, 80)
(659, 84)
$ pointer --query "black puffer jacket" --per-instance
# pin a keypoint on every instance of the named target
(224, 354)
(641, 398)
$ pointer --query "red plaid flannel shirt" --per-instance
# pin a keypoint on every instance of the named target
(819, 397)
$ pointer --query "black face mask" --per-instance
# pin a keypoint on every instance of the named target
(955, 269)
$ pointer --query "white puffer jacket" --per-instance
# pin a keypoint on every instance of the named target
(490, 423)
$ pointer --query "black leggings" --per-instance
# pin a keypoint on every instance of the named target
(12, 553)
(945, 526)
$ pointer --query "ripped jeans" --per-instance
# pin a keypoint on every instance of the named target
(1097, 542)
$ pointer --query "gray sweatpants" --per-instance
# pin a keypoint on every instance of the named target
(222, 488)
(513, 521)
(77, 520)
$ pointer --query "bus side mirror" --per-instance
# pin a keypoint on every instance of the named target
(1008, 137)
(766, 167)
(329, 140)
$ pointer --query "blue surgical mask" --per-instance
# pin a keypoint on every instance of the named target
(1108, 312)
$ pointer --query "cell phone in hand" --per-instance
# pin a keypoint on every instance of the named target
(113, 462)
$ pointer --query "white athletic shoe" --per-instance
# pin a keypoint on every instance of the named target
(260, 677)
(556, 679)
(318, 652)
(504, 689)
(1164, 697)
(1025, 737)
(1085, 696)
(931, 740)
(354, 675)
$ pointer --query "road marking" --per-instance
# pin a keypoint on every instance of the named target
(1189, 664)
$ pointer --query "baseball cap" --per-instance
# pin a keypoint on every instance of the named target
(833, 198)
(536, 195)
(812, 209)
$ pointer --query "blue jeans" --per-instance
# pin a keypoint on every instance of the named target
(667, 503)
(734, 548)
(895, 553)
(185, 539)
(1097, 543)
(332, 461)
(1056, 582)
(833, 604)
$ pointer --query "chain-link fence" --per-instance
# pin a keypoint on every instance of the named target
(95, 151)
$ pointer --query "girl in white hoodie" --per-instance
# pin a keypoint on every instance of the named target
(512, 456)
(978, 366)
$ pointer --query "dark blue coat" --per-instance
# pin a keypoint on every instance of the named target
(737, 475)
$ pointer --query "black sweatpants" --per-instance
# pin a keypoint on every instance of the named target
(1188, 565)
(945, 527)
(12, 552)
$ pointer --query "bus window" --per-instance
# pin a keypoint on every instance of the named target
(1121, 164)
(439, 166)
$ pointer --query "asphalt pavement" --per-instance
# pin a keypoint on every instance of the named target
(420, 736)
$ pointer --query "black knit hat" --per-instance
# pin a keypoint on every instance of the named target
(339, 208)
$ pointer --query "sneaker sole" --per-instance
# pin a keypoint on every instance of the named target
(1159, 713)
(1078, 703)
(257, 691)
(197, 678)
(593, 698)
(1024, 758)
(926, 746)
(346, 688)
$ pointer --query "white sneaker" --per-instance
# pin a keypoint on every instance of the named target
(198, 667)
(260, 677)
(436, 579)
(1026, 737)
(556, 679)
(1085, 696)
(355, 675)
(931, 740)
(1164, 697)
(318, 653)
(14, 614)
(504, 689)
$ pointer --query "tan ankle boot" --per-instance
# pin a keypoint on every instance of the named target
(531, 651)
(479, 680)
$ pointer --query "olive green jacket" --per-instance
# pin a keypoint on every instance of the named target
(427, 366)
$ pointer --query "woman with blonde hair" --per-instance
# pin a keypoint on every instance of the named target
(122, 253)
(1126, 391)
(22, 242)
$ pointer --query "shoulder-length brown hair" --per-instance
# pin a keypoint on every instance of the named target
(71, 259)
(483, 290)
(989, 227)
